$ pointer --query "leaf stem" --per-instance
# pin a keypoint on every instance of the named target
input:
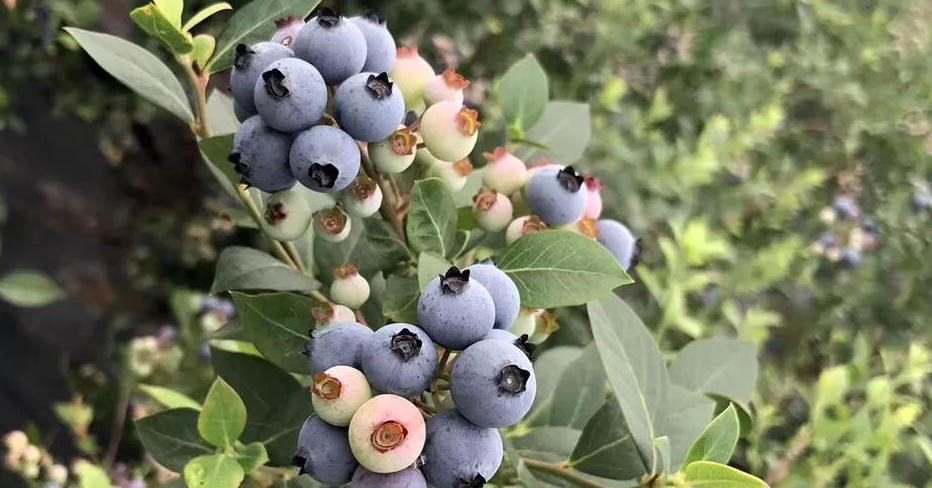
(561, 471)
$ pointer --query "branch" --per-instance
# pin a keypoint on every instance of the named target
(563, 472)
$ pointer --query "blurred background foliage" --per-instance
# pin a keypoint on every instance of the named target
(773, 155)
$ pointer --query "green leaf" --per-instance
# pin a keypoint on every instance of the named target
(252, 456)
(214, 471)
(429, 265)
(204, 45)
(27, 288)
(525, 477)
(171, 437)
(607, 447)
(244, 268)
(431, 222)
(91, 476)
(171, 10)
(254, 23)
(204, 14)
(560, 268)
(136, 68)
(400, 302)
(370, 247)
(579, 393)
(214, 152)
(222, 121)
(154, 22)
(223, 416)
(662, 445)
(707, 474)
(564, 129)
(524, 92)
(276, 404)
(718, 440)
(690, 412)
(278, 325)
(636, 371)
(717, 366)
(170, 398)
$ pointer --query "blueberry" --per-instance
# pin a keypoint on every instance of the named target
(325, 159)
(500, 335)
(492, 210)
(380, 45)
(455, 310)
(290, 95)
(410, 477)
(363, 198)
(619, 241)
(288, 30)
(400, 359)
(850, 258)
(922, 201)
(248, 66)
(260, 156)
(450, 130)
(845, 207)
(387, 434)
(334, 45)
(557, 196)
(338, 393)
(503, 290)
(324, 452)
(337, 345)
(287, 215)
(349, 288)
(241, 113)
(493, 383)
(460, 454)
(369, 107)
(412, 72)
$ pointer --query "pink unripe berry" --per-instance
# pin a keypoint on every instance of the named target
(332, 224)
(338, 393)
(387, 434)
(492, 210)
(288, 30)
(593, 198)
(411, 73)
(504, 172)
(348, 288)
(453, 175)
(363, 197)
(523, 226)
(331, 313)
(395, 154)
(450, 130)
(446, 86)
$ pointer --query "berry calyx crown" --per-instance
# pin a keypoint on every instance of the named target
(322, 314)
(526, 347)
(379, 86)
(533, 224)
(463, 167)
(477, 482)
(344, 272)
(275, 84)
(495, 156)
(324, 175)
(333, 220)
(512, 379)
(276, 213)
(467, 120)
(569, 179)
(404, 142)
(454, 281)
(243, 56)
(328, 18)
(485, 199)
(454, 80)
(374, 17)
(406, 344)
(407, 52)
(299, 461)
(363, 188)
(593, 183)
(326, 386)
(388, 435)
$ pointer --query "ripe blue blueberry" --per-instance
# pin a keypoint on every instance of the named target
(400, 359)
(380, 45)
(241, 113)
(409, 477)
(500, 335)
(503, 290)
(557, 196)
(845, 207)
(455, 310)
(290, 95)
(325, 159)
(336, 345)
(619, 241)
(493, 383)
(368, 107)
(324, 452)
(248, 65)
(460, 454)
(334, 45)
(260, 156)
(850, 258)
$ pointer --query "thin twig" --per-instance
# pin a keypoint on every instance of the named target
(561, 472)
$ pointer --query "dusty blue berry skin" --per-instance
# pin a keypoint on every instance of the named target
(324, 159)
(503, 290)
(457, 451)
(456, 320)
(325, 452)
(241, 113)
(501, 335)
(260, 156)
(337, 345)
(248, 66)
(619, 241)
(369, 107)
(334, 45)
(850, 258)
(290, 95)
(380, 45)
(551, 201)
(400, 359)
(410, 477)
(493, 383)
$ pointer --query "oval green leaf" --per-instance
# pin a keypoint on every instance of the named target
(215, 151)
(170, 398)
(524, 92)
(278, 325)
(27, 288)
(717, 442)
(204, 14)
(429, 266)
(400, 301)
(153, 22)
(560, 268)
(222, 121)
(245, 268)
(223, 416)
(721, 366)
(607, 447)
(707, 474)
(214, 471)
(561, 134)
(431, 222)
(171, 437)
(252, 456)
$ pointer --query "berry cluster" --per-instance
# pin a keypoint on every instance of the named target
(370, 391)
(850, 236)
(282, 89)
(547, 196)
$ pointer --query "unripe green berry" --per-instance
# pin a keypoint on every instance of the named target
(450, 130)
(338, 393)
(331, 313)
(363, 197)
(492, 210)
(453, 175)
(287, 215)
(504, 172)
(523, 226)
(348, 287)
(395, 154)
(332, 224)
(411, 73)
